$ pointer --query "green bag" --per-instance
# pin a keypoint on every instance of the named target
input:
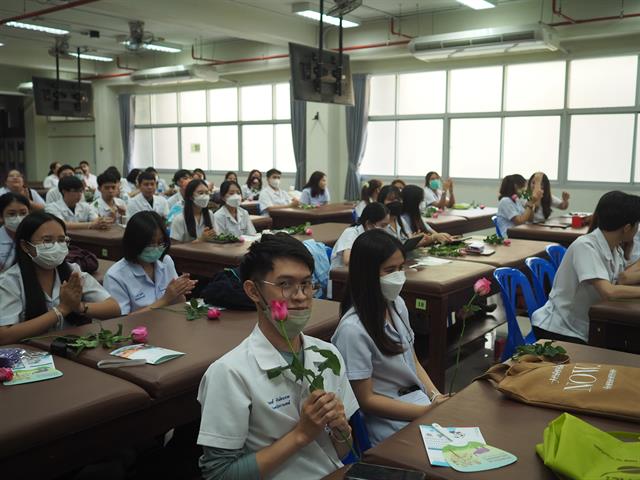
(576, 450)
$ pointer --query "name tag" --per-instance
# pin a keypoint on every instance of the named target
(279, 401)
(139, 296)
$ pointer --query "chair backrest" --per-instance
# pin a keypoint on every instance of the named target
(509, 280)
(556, 253)
(540, 269)
(354, 216)
(329, 252)
(494, 219)
(360, 434)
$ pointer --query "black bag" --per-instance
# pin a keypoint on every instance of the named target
(225, 290)
(86, 260)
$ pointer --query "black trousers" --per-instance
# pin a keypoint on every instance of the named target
(541, 333)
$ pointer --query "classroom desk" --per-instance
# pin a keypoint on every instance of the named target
(261, 223)
(563, 236)
(448, 224)
(615, 325)
(504, 423)
(251, 206)
(432, 292)
(512, 256)
(105, 244)
(333, 212)
(477, 218)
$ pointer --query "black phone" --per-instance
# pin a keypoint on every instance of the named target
(369, 471)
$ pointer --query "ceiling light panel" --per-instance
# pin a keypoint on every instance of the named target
(313, 15)
(37, 28)
(161, 48)
(478, 4)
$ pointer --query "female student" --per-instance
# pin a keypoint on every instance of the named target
(251, 190)
(399, 184)
(315, 192)
(376, 340)
(411, 218)
(41, 291)
(231, 177)
(129, 185)
(438, 193)
(195, 223)
(391, 197)
(511, 210)
(13, 209)
(146, 277)
(231, 218)
(542, 211)
(198, 174)
(368, 194)
(15, 184)
(374, 215)
(51, 180)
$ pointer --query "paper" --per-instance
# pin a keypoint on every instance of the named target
(476, 457)
(434, 441)
(251, 238)
(34, 367)
(430, 262)
(152, 355)
(417, 397)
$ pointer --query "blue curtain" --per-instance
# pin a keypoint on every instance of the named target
(357, 121)
(127, 115)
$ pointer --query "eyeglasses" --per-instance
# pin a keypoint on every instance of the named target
(290, 289)
(49, 244)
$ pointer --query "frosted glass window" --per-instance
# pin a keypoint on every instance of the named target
(379, 152)
(419, 147)
(257, 147)
(165, 148)
(383, 95)
(195, 148)
(531, 144)
(535, 86)
(637, 172)
(283, 105)
(475, 148)
(224, 147)
(143, 110)
(600, 147)
(422, 93)
(603, 82)
(256, 103)
(475, 89)
(223, 105)
(285, 159)
(164, 108)
(193, 107)
(143, 148)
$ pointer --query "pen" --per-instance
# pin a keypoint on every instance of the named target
(443, 432)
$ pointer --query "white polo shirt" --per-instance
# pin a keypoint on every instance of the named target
(7, 250)
(507, 209)
(50, 181)
(567, 310)
(406, 224)
(132, 288)
(270, 197)
(538, 214)
(141, 204)
(345, 242)
(179, 227)
(105, 210)
(635, 253)
(242, 407)
(431, 197)
(175, 199)
(360, 207)
(83, 212)
(35, 196)
(223, 222)
(91, 180)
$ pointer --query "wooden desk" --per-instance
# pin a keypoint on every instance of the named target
(105, 244)
(450, 224)
(333, 212)
(251, 206)
(616, 325)
(563, 236)
(512, 256)
(260, 222)
(431, 293)
(477, 218)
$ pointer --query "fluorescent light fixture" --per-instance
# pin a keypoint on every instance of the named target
(328, 19)
(478, 4)
(533, 47)
(1, 44)
(156, 47)
(38, 28)
(89, 56)
(486, 50)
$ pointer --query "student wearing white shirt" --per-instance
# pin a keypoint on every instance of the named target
(413, 223)
(147, 199)
(231, 218)
(176, 202)
(251, 189)
(89, 178)
(272, 197)
(542, 210)
(511, 210)
(195, 223)
(75, 214)
(129, 185)
(53, 195)
(391, 197)
(375, 339)
(146, 277)
(51, 180)
(315, 192)
(592, 270)
(15, 183)
(13, 209)
(437, 193)
(108, 204)
(634, 256)
(42, 292)
(368, 194)
(256, 427)
(198, 174)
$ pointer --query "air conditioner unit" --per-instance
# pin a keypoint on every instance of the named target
(175, 74)
(26, 88)
(486, 41)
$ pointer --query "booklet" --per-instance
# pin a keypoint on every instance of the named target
(152, 355)
(34, 367)
(434, 441)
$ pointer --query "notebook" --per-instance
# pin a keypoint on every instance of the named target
(152, 355)
(34, 367)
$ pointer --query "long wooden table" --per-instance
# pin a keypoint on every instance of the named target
(450, 224)
(615, 325)
(477, 218)
(333, 212)
(512, 256)
(251, 206)
(556, 229)
(504, 423)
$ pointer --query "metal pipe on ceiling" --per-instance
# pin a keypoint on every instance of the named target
(557, 10)
(44, 11)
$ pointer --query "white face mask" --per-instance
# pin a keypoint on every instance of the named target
(234, 200)
(391, 285)
(12, 222)
(50, 258)
(201, 200)
(274, 182)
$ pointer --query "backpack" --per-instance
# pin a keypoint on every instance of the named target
(225, 290)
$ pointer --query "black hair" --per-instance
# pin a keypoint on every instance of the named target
(251, 175)
(545, 203)
(114, 171)
(180, 174)
(229, 173)
(363, 292)
(395, 208)
(145, 176)
(427, 178)
(140, 230)
(107, 177)
(615, 210)
(10, 197)
(51, 169)
(132, 176)
(201, 172)
(189, 218)
(226, 185)
(273, 171)
(400, 181)
(70, 183)
(314, 183)
(78, 168)
(150, 169)
(84, 162)
(510, 185)
(64, 167)
(387, 191)
(258, 261)
(412, 195)
(372, 213)
(368, 189)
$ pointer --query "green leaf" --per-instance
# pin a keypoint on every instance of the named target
(276, 372)
(193, 303)
(317, 384)
(298, 370)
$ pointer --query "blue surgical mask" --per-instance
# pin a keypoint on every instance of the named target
(151, 254)
(435, 184)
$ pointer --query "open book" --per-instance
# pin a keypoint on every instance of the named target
(152, 355)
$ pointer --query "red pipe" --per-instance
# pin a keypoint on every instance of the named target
(44, 11)
(399, 34)
(373, 45)
(574, 21)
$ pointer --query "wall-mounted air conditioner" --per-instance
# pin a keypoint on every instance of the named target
(175, 74)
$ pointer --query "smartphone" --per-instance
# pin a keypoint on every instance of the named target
(369, 471)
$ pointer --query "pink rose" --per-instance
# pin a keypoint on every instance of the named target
(139, 335)
(308, 231)
(435, 215)
(482, 207)
(213, 313)
(514, 197)
(279, 310)
(506, 242)
(6, 374)
(241, 240)
(482, 287)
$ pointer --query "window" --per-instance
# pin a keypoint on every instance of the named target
(165, 148)
(422, 93)
(603, 82)
(193, 107)
(531, 144)
(194, 147)
(475, 147)
(383, 99)
(419, 147)
(475, 90)
(164, 108)
(380, 149)
(535, 86)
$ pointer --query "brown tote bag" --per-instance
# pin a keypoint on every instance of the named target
(597, 389)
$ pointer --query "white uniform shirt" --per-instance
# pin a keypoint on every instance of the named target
(175, 199)
(140, 204)
(388, 373)
(34, 195)
(635, 253)
(507, 209)
(179, 227)
(360, 207)
(567, 310)
(538, 214)
(242, 407)
(270, 197)
(248, 194)
(345, 242)
(223, 222)
(51, 181)
(105, 210)
(7, 250)
(132, 288)
(398, 232)
(12, 296)
(83, 212)
(322, 199)
(91, 181)
(431, 197)
(406, 224)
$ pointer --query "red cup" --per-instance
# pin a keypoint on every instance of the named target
(576, 221)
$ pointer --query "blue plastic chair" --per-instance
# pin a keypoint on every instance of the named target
(556, 254)
(354, 216)
(541, 270)
(329, 252)
(361, 440)
(509, 280)
(494, 219)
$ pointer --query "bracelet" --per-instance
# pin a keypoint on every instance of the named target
(59, 316)
(435, 395)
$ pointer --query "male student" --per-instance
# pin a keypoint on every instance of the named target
(75, 214)
(89, 178)
(272, 197)
(256, 427)
(593, 269)
(53, 195)
(147, 200)
(176, 202)
(108, 204)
